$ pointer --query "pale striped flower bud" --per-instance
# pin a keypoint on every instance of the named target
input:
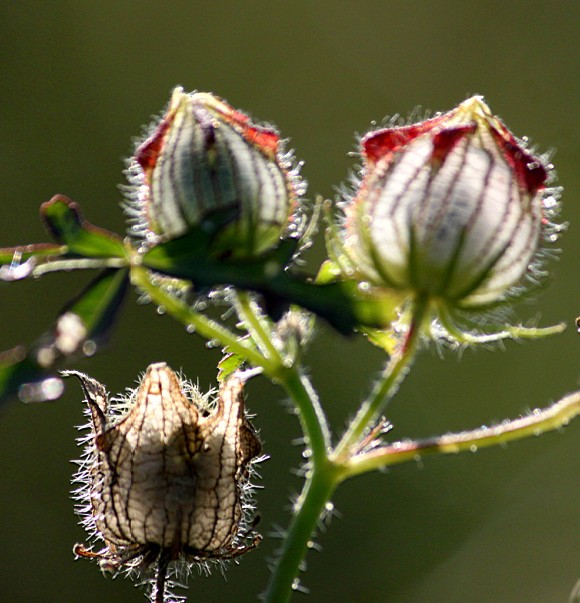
(453, 207)
(207, 165)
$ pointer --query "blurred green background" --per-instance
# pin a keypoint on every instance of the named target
(77, 82)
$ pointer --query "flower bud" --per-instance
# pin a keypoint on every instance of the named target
(206, 165)
(452, 207)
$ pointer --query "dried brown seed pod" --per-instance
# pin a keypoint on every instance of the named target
(165, 479)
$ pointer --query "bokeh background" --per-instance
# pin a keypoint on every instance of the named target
(78, 80)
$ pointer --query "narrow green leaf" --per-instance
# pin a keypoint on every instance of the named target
(98, 305)
(81, 327)
(64, 220)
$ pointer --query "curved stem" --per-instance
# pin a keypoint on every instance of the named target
(318, 489)
(504, 332)
(386, 387)
(312, 418)
(321, 479)
(247, 311)
(207, 328)
(538, 422)
(329, 469)
(67, 265)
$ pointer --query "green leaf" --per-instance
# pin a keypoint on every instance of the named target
(228, 365)
(188, 257)
(343, 303)
(81, 327)
(386, 339)
(329, 273)
(64, 220)
(98, 304)
(179, 255)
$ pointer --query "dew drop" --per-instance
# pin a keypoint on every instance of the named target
(190, 328)
(473, 448)
(329, 507)
(160, 310)
(89, 347)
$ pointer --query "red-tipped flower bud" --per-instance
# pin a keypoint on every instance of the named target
(207, 165)
(451, 207)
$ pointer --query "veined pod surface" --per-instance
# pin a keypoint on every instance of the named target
(453, 207)
(165, 477)
(206, 164)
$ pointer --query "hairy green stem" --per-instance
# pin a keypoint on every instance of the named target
(320, 479)
(328, 468)
(312, 418)
(77, 264)
(503, 332)
(386, 387)
(247, 311)
(207, 328)
(538, 422)
(310, 507)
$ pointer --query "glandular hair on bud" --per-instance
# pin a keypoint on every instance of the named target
(207, 165)
(452, 207)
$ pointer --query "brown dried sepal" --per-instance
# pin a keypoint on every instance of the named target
(167, 478)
